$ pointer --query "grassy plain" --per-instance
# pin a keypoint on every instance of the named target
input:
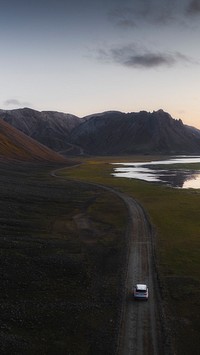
(175, 215)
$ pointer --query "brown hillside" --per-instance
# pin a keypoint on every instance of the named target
(16, 145)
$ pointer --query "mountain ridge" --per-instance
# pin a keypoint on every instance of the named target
(136, 133)
(50, 128)
(108, 132)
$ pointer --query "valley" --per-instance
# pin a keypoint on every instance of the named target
(66, 247)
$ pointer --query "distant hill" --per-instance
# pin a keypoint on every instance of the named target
(107, 133)
(16, 145)
(47, 127)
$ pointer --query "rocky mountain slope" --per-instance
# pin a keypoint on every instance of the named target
(142, 132)
(47, 127)
(16, 145)
(107, 133)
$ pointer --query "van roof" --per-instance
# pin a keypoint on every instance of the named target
(141, 287)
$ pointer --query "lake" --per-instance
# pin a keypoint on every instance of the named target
(157, 172)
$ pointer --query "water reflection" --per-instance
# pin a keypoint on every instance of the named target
(176, 177)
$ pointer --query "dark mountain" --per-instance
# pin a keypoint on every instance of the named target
(17, 145)
(47, 127)
(112, 133)
(107, 133)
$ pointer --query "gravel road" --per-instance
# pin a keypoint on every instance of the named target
(140, 333)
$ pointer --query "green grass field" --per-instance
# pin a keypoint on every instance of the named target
(175, 213)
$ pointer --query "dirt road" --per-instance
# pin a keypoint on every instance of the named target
(141, 328)
(140, 333)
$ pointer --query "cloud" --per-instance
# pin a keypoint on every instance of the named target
(123, 17)
(15, 102)
(133, 57)
(155, 12)
(193, 8)
(149, 60)
(144, 11)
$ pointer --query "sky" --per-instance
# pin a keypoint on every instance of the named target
(87, 56)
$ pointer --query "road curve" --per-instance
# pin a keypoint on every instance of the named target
(141, 331)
